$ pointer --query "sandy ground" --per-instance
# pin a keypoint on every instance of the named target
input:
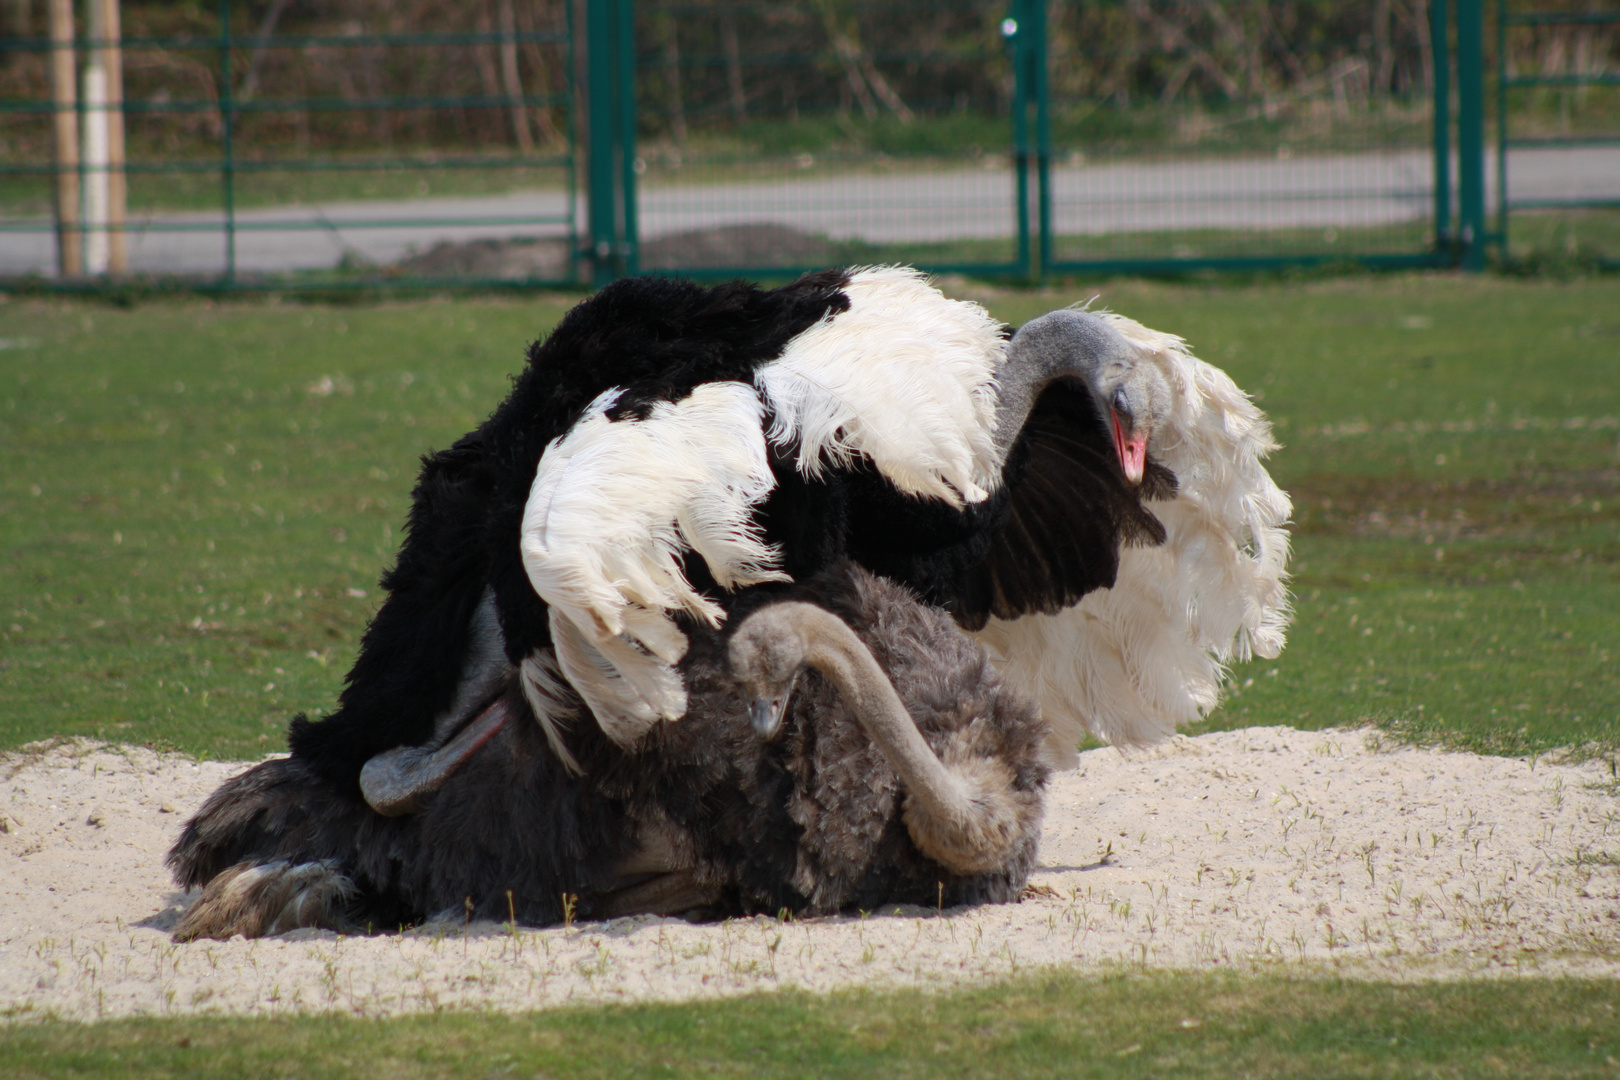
(1264, 847)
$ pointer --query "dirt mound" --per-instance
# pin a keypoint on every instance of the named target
(517, 259)
(755, 244)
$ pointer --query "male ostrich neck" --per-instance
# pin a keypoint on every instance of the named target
(1058, 344)
(961, 816)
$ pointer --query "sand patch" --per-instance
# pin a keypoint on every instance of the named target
(1266, 846)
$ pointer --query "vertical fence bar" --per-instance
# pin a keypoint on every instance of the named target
(1015, 31)
(571, 125)
(1440, 47)
(1471, 132)
(1501, 127)
(1043, 134)
(227, 139)
(65, 101)
(599, 137)
(625, 87)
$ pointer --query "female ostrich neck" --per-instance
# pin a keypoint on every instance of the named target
(834, 650)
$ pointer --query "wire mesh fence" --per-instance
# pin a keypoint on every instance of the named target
(1146, 134)
(1244, 132)
(263, 141)
(791, 134)
(279, 143)
(1556, 178)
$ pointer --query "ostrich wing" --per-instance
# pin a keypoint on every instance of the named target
(615, 506)
(897, 376)
(1131, 661)
(904, 379)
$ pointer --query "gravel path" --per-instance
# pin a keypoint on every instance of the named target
(1253, 848)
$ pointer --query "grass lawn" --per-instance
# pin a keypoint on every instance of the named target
(1053, 1025)
(197, 499)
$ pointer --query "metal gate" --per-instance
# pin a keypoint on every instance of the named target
(1126, 136)
(790, 135)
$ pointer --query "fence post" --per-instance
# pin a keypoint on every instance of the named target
(1471, 132)
(1035, 54)
(65, 101)
(629, 239)
(1025, 30)
(610, 127)
(1440, 48)
(1017, 33)
(227, 119)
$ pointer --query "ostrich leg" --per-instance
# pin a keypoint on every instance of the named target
(962, 815)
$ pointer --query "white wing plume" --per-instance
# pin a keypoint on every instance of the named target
(1133, 662)
(614, 507)
(905, 377)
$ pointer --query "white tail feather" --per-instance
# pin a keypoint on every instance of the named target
(627, 690)
(552, 700)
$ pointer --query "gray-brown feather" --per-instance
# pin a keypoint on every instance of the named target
(810, 822)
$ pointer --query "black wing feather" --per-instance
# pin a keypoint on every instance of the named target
(1051, 534)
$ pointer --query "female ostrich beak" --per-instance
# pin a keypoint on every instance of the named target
(769, 675)
(766, 713)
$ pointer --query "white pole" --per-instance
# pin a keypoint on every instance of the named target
(117, 197)
(96, 146)
(69, 241)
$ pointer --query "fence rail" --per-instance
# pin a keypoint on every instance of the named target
(354, 148)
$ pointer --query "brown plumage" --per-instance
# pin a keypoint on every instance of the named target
(704, 816)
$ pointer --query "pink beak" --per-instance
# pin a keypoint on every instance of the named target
(1132, 450)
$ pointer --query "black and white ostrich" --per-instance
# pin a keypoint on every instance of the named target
(1086, 498)
(886, 762)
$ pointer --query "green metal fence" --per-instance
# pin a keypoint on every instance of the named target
(268, 155)
(774, 137)
(1032, 139)
(414, 143)
(1558, 126)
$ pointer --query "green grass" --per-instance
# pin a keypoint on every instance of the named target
(193, 493)
(196, 495)
(1052, 1025)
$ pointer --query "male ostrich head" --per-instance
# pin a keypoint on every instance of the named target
(1131, 392)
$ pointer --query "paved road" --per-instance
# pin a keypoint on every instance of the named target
(1341, 191)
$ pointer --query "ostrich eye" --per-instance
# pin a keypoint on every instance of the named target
(1122, 404)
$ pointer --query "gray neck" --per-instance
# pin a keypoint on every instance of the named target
(835, 651)
(1058, 344)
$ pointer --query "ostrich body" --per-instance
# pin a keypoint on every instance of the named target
(899, 768)
(1085, 497)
